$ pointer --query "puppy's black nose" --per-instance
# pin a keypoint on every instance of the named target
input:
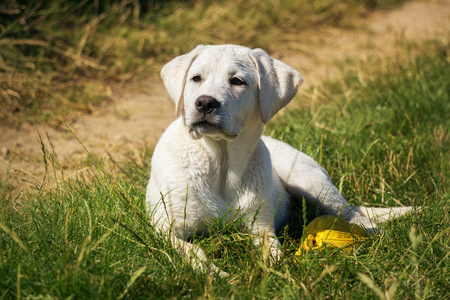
(206, 104)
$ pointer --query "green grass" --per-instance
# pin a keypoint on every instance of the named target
(58, 58)
(382, 134)
(394, 126)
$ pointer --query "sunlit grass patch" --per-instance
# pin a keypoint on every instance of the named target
(381, 131)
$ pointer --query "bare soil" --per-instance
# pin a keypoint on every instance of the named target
(139, 113)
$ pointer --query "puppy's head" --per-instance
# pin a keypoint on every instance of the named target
(217, 89)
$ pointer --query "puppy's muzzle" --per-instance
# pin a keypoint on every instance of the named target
(206, 105)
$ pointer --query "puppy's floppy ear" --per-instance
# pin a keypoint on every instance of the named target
(278, 83)
(174, 76)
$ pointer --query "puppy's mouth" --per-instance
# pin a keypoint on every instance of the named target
(198, 129)
(205, 125)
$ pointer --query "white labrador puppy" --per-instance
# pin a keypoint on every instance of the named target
(213, 162)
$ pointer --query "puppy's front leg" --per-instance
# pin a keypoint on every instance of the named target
(259, 204)
(177, 223)
(260, 223)
(268, 245)
(196, 256)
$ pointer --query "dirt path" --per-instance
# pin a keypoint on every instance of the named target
(381, 36)
(138, 118)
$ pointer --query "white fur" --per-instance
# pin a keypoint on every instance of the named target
(202, 172)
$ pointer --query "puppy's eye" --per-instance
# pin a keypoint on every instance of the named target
(236, 81)
(197, 78)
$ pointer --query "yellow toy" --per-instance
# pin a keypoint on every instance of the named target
(331, 232)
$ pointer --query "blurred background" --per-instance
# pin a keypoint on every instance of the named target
(60, 56)
(91, 68)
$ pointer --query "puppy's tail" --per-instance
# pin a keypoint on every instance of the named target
(384, 214)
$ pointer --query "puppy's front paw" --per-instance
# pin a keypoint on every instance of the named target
(269, 247)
